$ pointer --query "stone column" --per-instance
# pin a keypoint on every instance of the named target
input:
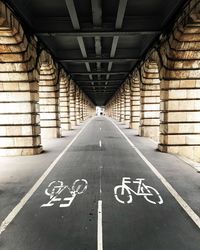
(72, 104)
(180, 92)
(81, 106)
(127, 103)
(135, 102)
(116, 111)
(48, 100)
(64, 103)
(19, 117)
(118, 106)
(122, 104)
(77, 105)
(150, 101)
(84, 112)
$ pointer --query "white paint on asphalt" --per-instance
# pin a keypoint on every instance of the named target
(124, 193)
(100, 143)
(179, 199)
(99, 214)
(55, 191)
(100, 129)
(24, 200)
(100, 180)
(99, 227)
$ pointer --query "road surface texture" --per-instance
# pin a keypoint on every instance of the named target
(102, 194)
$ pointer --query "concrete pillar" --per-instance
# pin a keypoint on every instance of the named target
(48, 100)
(64, 102)
(180, 92)
(135, 102)
(77, 105)
(150, 101)
(81, 106)
(118, 106)
(19, 118)
(122, 102)
(84, 107)
(114, 107)
(127, 102)
(72, 104)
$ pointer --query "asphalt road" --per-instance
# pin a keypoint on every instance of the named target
(135, 218)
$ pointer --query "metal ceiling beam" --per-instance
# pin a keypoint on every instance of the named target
(72, 13)
(100, 81)
(98, 92)
(100, 73)
(102, 33)
(75, 22)
(97, 22)
(118, 25)
(101, 87)
(93, 60)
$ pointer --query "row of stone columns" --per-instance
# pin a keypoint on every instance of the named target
(37, 99)
(163, 97)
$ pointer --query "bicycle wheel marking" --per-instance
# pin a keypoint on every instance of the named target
(58, 192)
(124, 193)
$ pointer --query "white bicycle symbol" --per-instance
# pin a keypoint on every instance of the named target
(124, 194)
(55, 188)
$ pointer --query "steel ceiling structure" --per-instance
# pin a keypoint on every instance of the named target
(98, 42)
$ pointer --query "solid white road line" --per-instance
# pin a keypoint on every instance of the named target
(99, 227)
(173, 192)
(100, 143)
(24, 200)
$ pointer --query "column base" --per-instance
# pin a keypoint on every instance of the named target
(134, 125)
(77, 121)
(66, 126)
(127, 123)
(149, 131)
(20, 151)
(49, 133)
(72, 124)
(191, 152)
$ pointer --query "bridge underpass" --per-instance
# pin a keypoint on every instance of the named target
(70, 179)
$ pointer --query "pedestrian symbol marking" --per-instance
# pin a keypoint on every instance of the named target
(58, 192)
(124, 193)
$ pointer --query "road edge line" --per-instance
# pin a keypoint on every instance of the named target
(9, 218)
(178, 198)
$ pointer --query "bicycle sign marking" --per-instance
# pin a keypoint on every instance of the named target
(124, 193)
(55, 191)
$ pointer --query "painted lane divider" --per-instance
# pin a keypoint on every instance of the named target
(55, 191)
(179, 199)
(124, 194)
(100, 214)
(24, 200)
(99, 227)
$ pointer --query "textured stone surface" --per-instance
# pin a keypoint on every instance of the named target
(150, 101)
(48, 100)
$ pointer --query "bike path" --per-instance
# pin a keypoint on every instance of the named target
(139, 225)
(55, 228)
